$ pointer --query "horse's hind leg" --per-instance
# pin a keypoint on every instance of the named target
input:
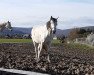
(48, 54)
(47, 47)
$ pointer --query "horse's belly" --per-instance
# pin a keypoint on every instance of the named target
(40, 35)
(38, 38)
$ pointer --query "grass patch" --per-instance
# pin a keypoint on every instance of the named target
(80, 46)
(56, 42)
(15, 40)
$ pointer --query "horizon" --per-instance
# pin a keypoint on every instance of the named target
(58, 28)
(29, 13)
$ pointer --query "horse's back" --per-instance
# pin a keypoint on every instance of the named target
(37, 30)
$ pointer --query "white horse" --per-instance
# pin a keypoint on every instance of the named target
(43, 35)
(5, 25)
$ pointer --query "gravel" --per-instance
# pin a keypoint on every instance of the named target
(64, 60)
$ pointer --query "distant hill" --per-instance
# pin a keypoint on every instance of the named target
(60, 32)
(67, 31)
(16, 30)
(88, 27)
(23, 30)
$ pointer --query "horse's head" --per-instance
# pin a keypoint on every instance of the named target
(52, 24)
(8, 25)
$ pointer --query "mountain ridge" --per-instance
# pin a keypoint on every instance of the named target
(60, 32)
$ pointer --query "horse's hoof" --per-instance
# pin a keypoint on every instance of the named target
(37, 60)
(49, 61)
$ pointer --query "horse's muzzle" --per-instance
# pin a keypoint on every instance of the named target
(54, 31)
(10, 29)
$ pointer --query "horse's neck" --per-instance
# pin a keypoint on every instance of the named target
(48, 28)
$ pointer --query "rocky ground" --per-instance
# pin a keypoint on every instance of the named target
(65, 60)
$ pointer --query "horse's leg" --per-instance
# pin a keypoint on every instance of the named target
(39, 49)
(36, 52)
(47, 48)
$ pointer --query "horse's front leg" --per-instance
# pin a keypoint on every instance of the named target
(39, 50)
(36, 51)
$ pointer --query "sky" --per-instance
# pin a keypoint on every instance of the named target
(28, 13)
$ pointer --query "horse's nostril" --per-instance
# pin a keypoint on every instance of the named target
(10, 29)
(54, 32)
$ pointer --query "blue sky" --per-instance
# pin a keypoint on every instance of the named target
(28, 13)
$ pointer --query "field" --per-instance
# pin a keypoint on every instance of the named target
(66, 59)
(15, 40)
(22, 41)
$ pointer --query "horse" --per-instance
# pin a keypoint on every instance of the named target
(42, 37)
(5, 25)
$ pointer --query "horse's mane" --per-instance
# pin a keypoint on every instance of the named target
(48, 24)
(3, 24)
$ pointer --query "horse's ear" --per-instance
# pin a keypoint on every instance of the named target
(51, 18)
(57, 17)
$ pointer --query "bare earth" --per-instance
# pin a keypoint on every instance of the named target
(64, 60)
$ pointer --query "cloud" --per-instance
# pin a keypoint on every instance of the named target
(81, 22)
(34, 12)
(80, 1)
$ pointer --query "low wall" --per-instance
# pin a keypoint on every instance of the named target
(17, 72)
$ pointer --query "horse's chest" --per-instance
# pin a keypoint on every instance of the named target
(41, 35)
(44, 38)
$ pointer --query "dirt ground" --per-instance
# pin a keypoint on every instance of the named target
(64, 60)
